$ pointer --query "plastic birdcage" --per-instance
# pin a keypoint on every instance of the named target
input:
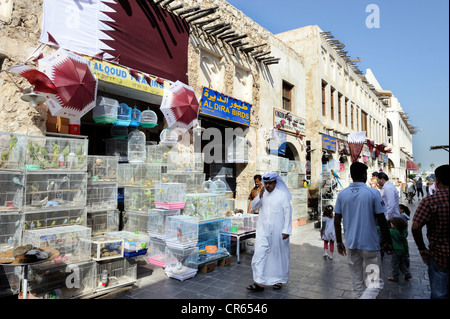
(139, 199)
(221, 187)
(102, 222)
(73, 242)
(101, 196)
(181, 264)
(157, 252)
(11, 191)
(168, 137)
(54, 190)
(105, 111)
(102, 168)
(157, 219)
(181, 231)
(117, 147)
(56, 153)
(11, 226)
(55, 218)
(12, 151)
(123, 115)
(136, 147)
(135, 221)
(149, 119)
(105, 248)
(193, 180)
(170, 195)
(205, 206)
(139, 175)
(135, 117)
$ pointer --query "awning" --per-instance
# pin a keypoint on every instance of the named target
(411, 166)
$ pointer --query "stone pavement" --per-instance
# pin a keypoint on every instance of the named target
(311, 276)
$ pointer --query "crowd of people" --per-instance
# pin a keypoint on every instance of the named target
(374, 222)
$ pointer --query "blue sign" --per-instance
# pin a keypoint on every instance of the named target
(224, 107)
(329, 143)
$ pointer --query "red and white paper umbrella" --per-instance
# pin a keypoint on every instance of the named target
(75, 83)
(180, 106)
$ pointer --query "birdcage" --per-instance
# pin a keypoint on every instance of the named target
(149, 119)
(193, 180)
(102, 222)
(55, 153)
(139, 199)
(11, 191)
(54, 190)
(101, 196)
(136, 147)
(157, 219)
(206, 206)
(139, 175)
(12, 151)
(181, 231)
(72, 242)
(170, 195)
(102, 168)
(105, 110)
(11, 226)
(123, 115)
(104, 248)
(181, 263)
(50, 217)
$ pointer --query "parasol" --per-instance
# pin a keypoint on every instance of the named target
(180, 106)
(355, 143)
(75, 83)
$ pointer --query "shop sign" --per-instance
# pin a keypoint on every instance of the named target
(224, 107)
(329, 142)
(116, 74)
(286, 121)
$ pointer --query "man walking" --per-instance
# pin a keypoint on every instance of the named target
(389, 195)
(360, 208)
(433, 211)
(419, 187)
(270, 263)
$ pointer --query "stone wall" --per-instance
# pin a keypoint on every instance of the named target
(20, 28)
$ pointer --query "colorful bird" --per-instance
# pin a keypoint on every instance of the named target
(337, 178)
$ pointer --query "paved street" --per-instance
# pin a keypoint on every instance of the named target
(311, 276)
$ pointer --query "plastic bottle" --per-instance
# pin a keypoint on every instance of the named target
(104, 278)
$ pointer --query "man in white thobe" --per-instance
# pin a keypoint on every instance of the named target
(270, 263)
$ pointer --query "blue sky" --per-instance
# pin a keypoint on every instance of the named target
(408, 53)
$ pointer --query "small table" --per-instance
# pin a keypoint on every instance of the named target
(7, 259)
(241, 234)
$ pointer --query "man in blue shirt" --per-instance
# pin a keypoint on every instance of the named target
(361, 210)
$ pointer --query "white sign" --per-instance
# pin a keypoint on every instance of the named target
(286, 121)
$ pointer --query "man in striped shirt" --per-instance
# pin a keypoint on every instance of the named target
(433, 211)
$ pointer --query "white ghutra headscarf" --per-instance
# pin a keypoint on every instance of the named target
(281, 185)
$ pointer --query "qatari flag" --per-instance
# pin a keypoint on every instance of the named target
(355, 144)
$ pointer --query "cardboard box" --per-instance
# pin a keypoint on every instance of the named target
(207, 268)
(57, 124)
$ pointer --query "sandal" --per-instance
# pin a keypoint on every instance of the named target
(255, 287)
(277, 286)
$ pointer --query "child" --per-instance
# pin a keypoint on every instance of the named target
(327, 232)
(405, 214)
(400, 256)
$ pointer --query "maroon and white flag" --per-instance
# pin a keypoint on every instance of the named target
(355, 144)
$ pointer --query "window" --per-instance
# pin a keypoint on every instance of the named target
(287, 96)
(346, 112)
(364, 121)
(324, 106)
(351, 117)
(339, 108)
(332, 103)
